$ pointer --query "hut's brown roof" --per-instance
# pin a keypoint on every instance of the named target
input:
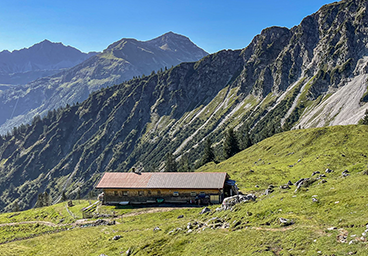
(183, 180)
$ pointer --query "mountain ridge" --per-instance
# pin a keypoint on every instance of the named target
(41, 59)
(121, 61)
(268, 87)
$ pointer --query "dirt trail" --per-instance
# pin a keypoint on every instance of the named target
(152, 210)
(46, 223)
(85, 221)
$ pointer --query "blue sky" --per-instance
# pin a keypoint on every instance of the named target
(93, 25)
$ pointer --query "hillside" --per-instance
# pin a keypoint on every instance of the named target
(42, 59)
(120, 61)
(333, 223)
(274, 84)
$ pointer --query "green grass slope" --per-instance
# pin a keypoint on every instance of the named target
(249, 228)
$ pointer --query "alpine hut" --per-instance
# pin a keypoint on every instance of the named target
(165, 187)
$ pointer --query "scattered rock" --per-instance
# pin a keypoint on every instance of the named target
(345, 173)
(316, 172)
(103, 222)
(322, 181)
(128, 252)
(332, 228)
(322, 176)
(352, 253)
(342, 236)
(257, 186)
(251, 171)
(180, 216)
(365, 172)
(268, 191)
(299, 160)
(229, 202)
(286, 222)
(102, 255)
(215, 220)
(315, 200)
(284, 186)
(328, 170)
(116, 237)
(290, 183)
(291, 165)
(189, 226)
(156, 229)
(205, 210)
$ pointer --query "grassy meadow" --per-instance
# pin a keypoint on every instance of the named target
(331, 224)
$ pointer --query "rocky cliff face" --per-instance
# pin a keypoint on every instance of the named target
(311, 75)
(40, 60)
(121, 61)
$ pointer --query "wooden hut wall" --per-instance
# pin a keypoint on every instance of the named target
(150, 195)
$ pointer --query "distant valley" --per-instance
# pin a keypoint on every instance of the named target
(121, 61)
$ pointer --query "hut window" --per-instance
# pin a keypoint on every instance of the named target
(140, 193)
(120, 193)
(193, 193)
(149, 192)
(158, 192)
(125, 193)
(176, 194)
(115, 193)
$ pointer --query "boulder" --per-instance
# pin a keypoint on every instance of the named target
(156, 229)
(286, 186)
(268, 191)
(286, 222)
(328, 170)
(215, 220)
(180, 216)
(205, 210)
(316, 172)
(345, 174)
(116, 237)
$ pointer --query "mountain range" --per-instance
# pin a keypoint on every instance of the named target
(42, 59)
(311, 75)
(121, 61)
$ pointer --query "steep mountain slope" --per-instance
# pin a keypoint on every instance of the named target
(269, 86)
(40, 60)
(121, 61)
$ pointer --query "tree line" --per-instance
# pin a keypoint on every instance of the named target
(232, 143)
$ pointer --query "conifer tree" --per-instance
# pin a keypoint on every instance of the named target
(184, 165)
(364, 120)
(230, 144)
(208, 153)
(63, 197)
(170, 163)
(39, 202)
(15, 207)
(46, 199)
